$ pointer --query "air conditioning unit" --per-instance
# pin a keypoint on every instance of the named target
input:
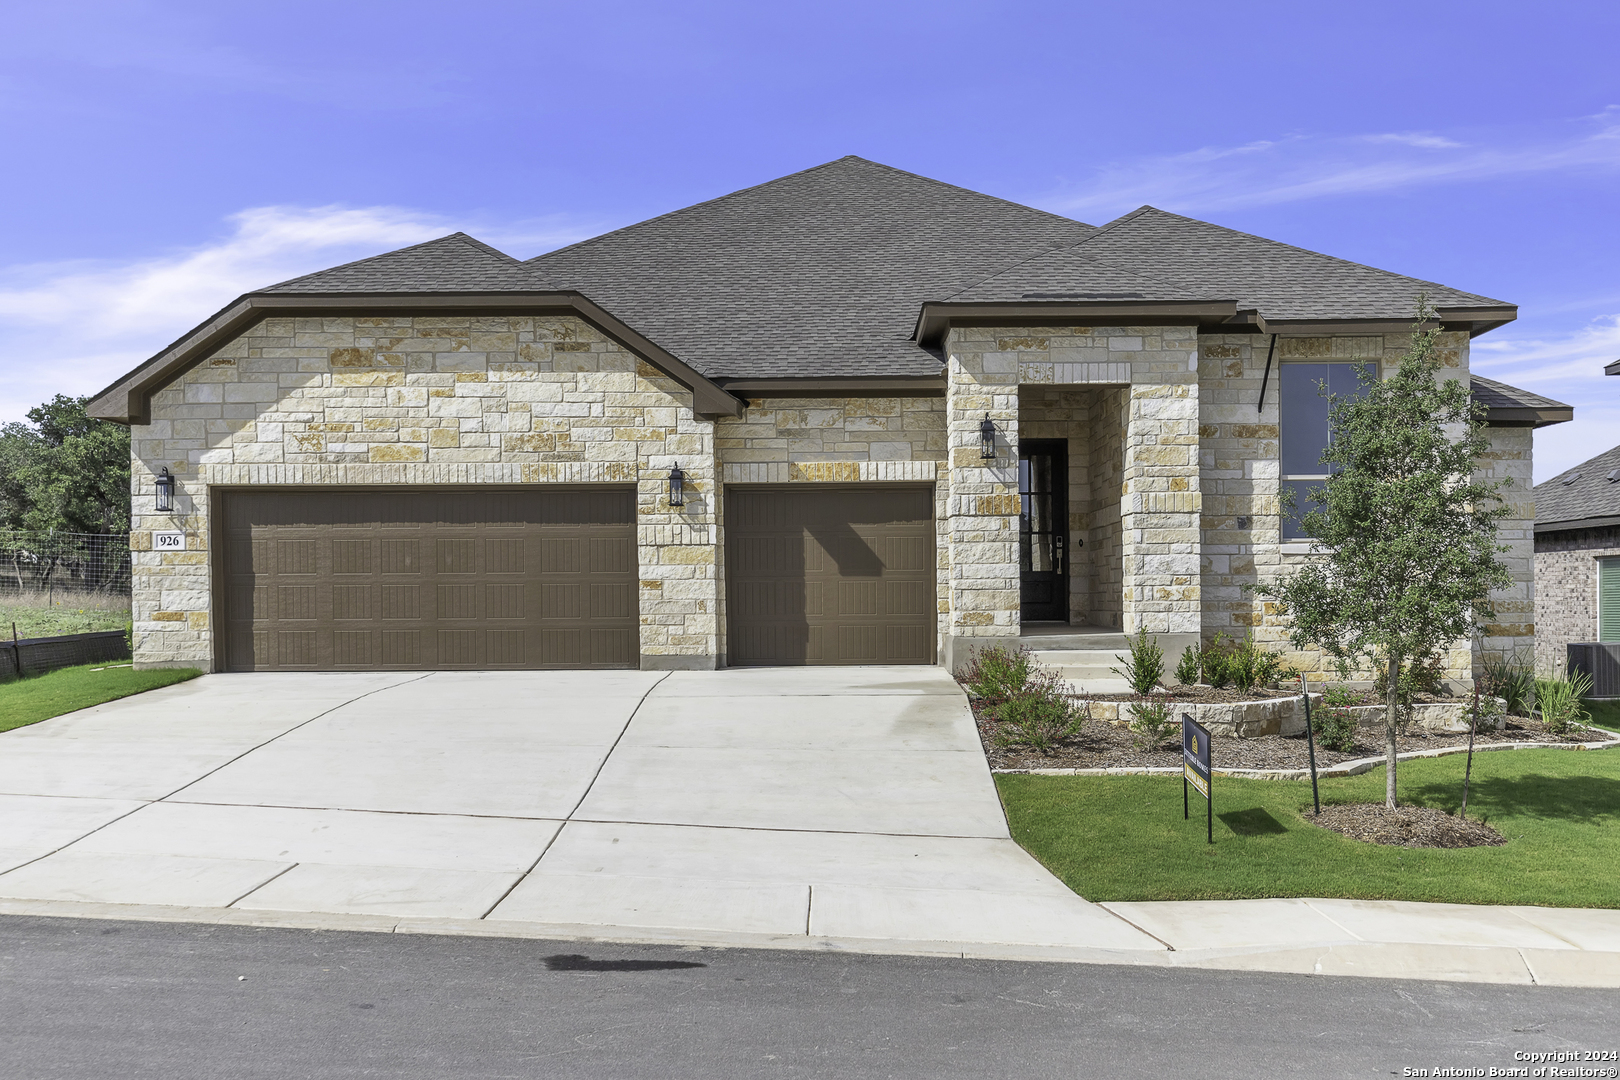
(1601, 661)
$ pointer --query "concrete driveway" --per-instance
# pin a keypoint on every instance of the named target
(848, 804)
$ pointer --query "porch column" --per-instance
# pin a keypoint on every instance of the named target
(982, 507)
(1161, 510)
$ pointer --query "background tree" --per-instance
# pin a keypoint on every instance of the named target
(1408, 536)
(64, 471)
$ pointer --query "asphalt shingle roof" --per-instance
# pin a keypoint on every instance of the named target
(1499, 395)
(820, 273)
(454, 263)
(1591, 494)
(1280, 281)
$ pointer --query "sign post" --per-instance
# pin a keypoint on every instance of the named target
(1195, 770)
(1310, 741)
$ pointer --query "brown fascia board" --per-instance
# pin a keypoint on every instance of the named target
(1475, 320)
(1524, 416)
(937, 317)
(851, 386)
(128, 401)
(1583, 523)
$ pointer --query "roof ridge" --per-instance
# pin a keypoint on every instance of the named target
(1144, 208)
(779, 179)
(476, 244)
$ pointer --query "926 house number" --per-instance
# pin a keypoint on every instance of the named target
(168, 541)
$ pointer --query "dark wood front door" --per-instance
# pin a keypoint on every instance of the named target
(1043, 533)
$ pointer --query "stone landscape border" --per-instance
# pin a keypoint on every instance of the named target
(1343, 768)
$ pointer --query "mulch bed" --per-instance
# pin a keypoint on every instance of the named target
(1406, 826)
(1104, 745)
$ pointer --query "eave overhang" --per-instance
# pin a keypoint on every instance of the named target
(1612, 368)
(128, 401)
(937, 317)
(1524, 416)
(1583, 523)
(846, 386)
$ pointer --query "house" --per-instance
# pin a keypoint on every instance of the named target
(852, 415)
(1578, 556)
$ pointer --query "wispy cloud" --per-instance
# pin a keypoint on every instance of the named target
(1298, 167)
(72, 328)
(1569, 368)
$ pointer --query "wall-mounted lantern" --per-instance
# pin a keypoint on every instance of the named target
(677, 486)
(987, 439)
(165, 491)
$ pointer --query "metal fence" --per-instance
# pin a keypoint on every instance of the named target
(60, 564)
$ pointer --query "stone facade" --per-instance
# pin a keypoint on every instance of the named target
(1173, 471)
(423, 401)
(1567, 590)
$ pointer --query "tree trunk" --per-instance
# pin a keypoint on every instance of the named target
(1392, 698)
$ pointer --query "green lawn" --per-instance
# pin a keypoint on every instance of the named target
(61, 619)
(1123, 838)
(40, 697)
(1605, 714)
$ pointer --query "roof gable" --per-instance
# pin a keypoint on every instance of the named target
(1279, 280)
(454, 263)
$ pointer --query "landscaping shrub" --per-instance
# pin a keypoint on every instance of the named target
(996, 672)
(1559, 700)
(1511, 680)
(1041, 715)
(1145, 668)
(1334, 723)
(1150, 724)
(1250, 665)
(1189, 669)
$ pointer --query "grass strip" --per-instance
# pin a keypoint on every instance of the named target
(56, 621)
(39, 697)
(1123, 838)
(1605, 714)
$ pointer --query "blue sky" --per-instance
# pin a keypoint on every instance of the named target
(164, 157)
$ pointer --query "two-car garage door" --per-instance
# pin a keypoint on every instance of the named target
(435, 579)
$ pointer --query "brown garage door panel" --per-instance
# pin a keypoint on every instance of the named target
(830, 575)
(347, 580)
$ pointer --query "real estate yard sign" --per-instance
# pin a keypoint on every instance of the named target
(1195, 770)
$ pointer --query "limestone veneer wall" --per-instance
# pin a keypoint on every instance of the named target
(1155, 371)
(1240, 474)
(1567, 590)
(1512, 633)
(426, 401)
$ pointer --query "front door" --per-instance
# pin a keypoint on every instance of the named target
(1043, 489)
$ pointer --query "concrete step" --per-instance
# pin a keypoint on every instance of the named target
(1103, 658)
(1069, 640)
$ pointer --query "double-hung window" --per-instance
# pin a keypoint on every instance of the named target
(1609, 599)
(1304, 432)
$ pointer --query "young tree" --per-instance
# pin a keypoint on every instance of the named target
(1409, 552)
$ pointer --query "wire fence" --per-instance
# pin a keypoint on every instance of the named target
(48, 567)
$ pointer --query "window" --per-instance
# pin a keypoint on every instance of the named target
(1609, 599)
(1304, 431)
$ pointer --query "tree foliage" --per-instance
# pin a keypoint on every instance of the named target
(64, 471)
(1408, 550)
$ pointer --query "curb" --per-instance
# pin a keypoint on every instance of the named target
(1344, 768)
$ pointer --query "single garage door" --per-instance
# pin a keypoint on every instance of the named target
(830, 575)
(423, 580)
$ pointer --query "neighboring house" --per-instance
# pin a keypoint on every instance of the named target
(1578, 556)
(909, 419)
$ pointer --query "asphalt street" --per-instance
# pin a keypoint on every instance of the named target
(92, 999)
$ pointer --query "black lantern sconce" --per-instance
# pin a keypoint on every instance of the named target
(165, 491)
(987, 439)
(677, 486)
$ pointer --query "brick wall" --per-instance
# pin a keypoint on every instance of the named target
(1566, 595)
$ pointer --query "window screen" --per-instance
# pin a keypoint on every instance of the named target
(1609, 599)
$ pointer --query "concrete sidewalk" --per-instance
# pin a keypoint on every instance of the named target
(782, 808)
